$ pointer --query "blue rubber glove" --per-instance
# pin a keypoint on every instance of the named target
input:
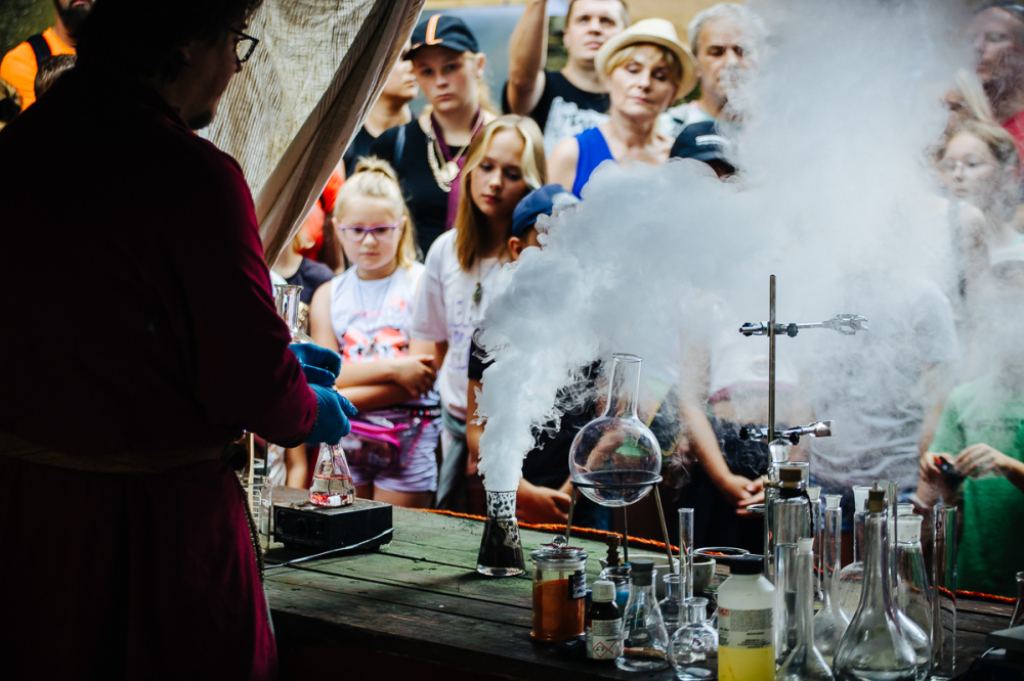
(320, 365)
(332, 414)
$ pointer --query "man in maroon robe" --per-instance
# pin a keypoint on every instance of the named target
(139, 339)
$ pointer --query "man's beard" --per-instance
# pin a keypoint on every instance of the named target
(72, 16)
(200, 121)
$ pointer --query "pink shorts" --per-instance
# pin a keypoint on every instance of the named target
(420, 475)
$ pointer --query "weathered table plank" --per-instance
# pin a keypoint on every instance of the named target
(421, 598)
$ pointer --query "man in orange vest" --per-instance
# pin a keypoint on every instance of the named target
(20, 65)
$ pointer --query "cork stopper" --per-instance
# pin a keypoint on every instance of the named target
(833, 500)
(814, 493)
(805, 545)
(876, 499)
(790, 474)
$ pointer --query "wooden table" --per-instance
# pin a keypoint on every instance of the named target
(418, 607)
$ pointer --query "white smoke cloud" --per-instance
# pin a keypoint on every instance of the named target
(834, 181)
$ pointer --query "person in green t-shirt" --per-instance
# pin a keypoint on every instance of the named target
(981, 432)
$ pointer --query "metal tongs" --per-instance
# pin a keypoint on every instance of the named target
(846, 324)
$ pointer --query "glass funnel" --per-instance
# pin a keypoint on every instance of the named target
(332, 481)
(805, 661)
(501, 553)
(874, 647)
(615, 460)
(286, 297)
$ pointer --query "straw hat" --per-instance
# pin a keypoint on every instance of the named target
(658, 32)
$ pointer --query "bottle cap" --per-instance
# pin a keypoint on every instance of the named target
(832, 500)
(746, 565)
(805, 545)
(642, 571)
(876, 499)
(604, 591)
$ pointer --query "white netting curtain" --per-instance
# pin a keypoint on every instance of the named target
(290, 114)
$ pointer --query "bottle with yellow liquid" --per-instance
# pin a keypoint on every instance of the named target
(746, 618)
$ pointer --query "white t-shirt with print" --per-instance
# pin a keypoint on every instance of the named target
(371, 318)
(446, 311)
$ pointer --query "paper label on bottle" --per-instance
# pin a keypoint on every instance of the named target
(577, 585)
(746, 629)
(604, 639)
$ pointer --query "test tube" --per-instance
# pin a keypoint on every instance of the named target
(686, 552)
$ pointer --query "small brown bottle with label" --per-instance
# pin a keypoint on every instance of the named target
(604, 624)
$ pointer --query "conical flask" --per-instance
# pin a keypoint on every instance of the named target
(332, 481)
(874, 646)
(501, 552)
(615, 460)
(286, 297)
(805, 662)
(829, 623)
(913, 592)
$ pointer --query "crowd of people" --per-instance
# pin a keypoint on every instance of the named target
(400, 258)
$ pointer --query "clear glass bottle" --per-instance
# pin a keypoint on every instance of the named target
(619, 575)
(874, 647)
(286, 297)
(1017, 619)
(944, 560)
(851, 577)
(645, 641)
(501, 552)
(913, 592)
(814, 495)
(332, 480)
(559, 592)
(694, 645)
(617, 448)
(671, 605)
(829, 623)
(805, 662)
(604, 624)
(791, 483)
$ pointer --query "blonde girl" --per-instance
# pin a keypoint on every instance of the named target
(365, 314)
(504, 162)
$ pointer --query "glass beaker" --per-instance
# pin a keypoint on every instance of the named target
(645, 641)
(332, 482)
(874, 646)
(694, 644)
(617, 449)
(805, 662)
(501, 553)
(286, 297)
(559, 592)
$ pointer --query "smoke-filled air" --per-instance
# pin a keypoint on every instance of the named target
(835, 195)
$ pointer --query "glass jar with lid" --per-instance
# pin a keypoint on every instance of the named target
(559, 591)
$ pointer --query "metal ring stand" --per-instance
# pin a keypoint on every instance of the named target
(652, 481)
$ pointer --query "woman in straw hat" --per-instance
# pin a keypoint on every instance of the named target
(645, 69)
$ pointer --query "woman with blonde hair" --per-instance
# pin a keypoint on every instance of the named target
(365, 314)
(503, 163)
(645, 70)
(430, 151)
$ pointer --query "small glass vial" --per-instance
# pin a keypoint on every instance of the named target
(604, 624)
(645, 641)
(671, 604)
(559, 589)
(746, 632)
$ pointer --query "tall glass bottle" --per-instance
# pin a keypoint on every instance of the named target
(944, 559)
(617, 448)
(817, 531)
(913, 592)
(829, 623)
(874, 648)
(501, 552)
(805, 662)
(286, 297)
(671, 605)
(1017, 618)
(645, 641)
(852, 576)
(791, 483)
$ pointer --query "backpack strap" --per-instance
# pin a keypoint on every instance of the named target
(40, 47)
(399, 143)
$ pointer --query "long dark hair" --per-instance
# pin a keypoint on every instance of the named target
(143, 37)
